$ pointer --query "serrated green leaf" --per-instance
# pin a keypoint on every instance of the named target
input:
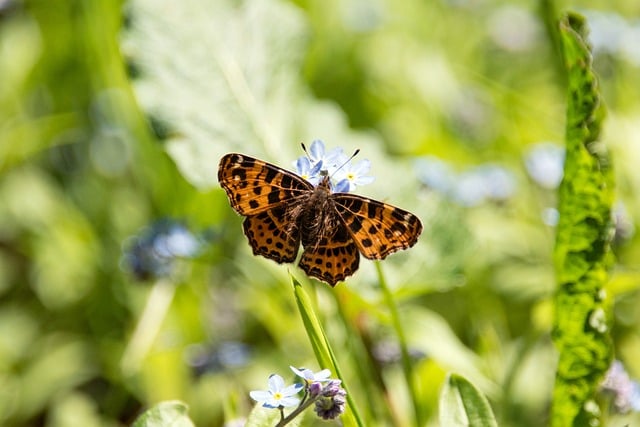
(172, 413)
(461, 404)
(582, 253)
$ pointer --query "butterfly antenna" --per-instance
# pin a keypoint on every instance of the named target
(355, 153)
(305, 149)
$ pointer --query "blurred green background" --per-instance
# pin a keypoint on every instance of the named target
(114, 115)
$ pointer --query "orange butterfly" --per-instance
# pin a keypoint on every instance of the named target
(283, 210)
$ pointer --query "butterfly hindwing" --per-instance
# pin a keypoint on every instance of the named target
(331, 259)
(254, 186)
(378, 229)
(272, 237)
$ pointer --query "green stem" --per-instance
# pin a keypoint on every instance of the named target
(304, 405)
(406, 358)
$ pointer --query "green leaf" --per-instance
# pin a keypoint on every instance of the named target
(461, 404)
(225, 76)
(172, 413)
(582, 252)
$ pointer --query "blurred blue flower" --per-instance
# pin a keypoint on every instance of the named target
(153, 252)
(545, 162)
(277, 395)
(225, 356)
(500, 184)
(550, 216)
(485, 182)
(435, 173)
(625, 391)
(388, 352)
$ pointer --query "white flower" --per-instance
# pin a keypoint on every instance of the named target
(329, 160)
(309, 376)
(278, 395)
(304, 169)
(350, 176)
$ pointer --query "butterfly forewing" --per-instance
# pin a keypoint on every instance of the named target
(254, 186)
(377, 228)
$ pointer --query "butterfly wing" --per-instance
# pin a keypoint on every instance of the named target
(331, 259)
(254, 186)
(270, 236)
(378, 229)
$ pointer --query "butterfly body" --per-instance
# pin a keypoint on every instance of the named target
(283, 210)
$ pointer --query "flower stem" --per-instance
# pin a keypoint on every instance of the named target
(303, 405)
(404, 351)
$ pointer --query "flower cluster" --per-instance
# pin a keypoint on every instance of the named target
(344, 175)
(320, 390)
(152, 253)
(487, 182)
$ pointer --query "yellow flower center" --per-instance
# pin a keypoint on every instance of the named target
(277, 395)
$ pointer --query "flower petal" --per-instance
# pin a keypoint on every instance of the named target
(289, 401)
(303, 165)
(260, 395)
(276, 383)
(322, 375)
(300, 372)
(316, 151)
(342, 186)
(362, 167)
(292, 390)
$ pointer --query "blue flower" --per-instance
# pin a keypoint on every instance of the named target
(435, 173)
(306, 171)
(499, 182)
(227, 355)
(153, 252)
(329, 160)
(277, 395)
(318, 163)
(545, 163)
(309, 376)
(349, 176)
(626, 392)
(485, 182)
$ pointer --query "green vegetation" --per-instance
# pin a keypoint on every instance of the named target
(126, 283)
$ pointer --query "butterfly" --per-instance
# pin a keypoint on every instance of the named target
(283, 210)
